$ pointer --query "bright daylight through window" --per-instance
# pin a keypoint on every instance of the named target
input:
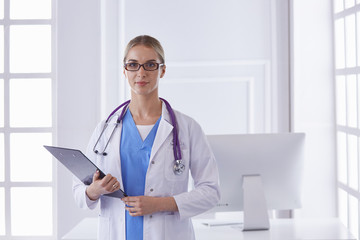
(27, 80)
(347, 77)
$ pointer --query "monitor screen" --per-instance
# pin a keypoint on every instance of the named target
(277, 158)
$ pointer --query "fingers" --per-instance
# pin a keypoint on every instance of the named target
(115, 186)
(96, 175)
(136, 206)
(134, 212)
(110, 183)
(126, 200)
(107, 184)
(130, 203)
(107, 178)
(133, 208)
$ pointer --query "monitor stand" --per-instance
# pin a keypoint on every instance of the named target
(255, 210)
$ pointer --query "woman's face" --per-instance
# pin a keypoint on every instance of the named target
(143, 82)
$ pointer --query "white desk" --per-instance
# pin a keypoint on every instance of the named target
(287, 229)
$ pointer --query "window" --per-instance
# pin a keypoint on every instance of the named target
(27, 113)
(347, 84)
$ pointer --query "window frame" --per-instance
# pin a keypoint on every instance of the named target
(346, 72)
(6, 130)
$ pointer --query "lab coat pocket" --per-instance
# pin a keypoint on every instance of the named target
(104, 228)
(170, 162)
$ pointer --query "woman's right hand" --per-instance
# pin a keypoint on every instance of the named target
(98, 187)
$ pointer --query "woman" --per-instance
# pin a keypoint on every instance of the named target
(140, 159)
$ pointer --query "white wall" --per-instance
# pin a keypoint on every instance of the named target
(313, 102)
(79, 88)
(78, 84)
(237, 51)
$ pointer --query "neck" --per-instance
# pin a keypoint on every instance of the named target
(144, 109)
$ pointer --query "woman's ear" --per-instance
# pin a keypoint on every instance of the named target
(124, 72)
(163, 70)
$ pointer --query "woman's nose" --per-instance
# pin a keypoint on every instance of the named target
(141, 71)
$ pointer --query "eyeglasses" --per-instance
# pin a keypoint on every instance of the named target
(150, 66)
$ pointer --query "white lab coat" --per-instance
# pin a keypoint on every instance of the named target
(160, 180)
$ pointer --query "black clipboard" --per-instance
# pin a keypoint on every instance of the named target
(82, 167)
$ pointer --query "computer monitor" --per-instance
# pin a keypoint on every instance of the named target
(277, 158)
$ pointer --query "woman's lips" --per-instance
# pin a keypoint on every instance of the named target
(141, 83)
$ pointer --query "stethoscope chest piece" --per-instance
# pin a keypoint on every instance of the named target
(179, 167)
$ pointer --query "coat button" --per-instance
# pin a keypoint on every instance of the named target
(150, 216)
(151, 190)
(152, 162)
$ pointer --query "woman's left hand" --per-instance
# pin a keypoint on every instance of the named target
(144, 205)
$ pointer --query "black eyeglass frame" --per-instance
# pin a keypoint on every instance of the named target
(143, 65)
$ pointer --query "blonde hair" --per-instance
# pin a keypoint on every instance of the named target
(147, 41)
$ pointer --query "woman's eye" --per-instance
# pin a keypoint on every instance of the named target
(150, 65)
(133, 64)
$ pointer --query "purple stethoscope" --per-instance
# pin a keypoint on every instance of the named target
(179, 167)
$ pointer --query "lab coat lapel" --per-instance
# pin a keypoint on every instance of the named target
(114, 150)
(164, 129)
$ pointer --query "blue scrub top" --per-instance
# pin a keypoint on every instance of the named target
(135, 156)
